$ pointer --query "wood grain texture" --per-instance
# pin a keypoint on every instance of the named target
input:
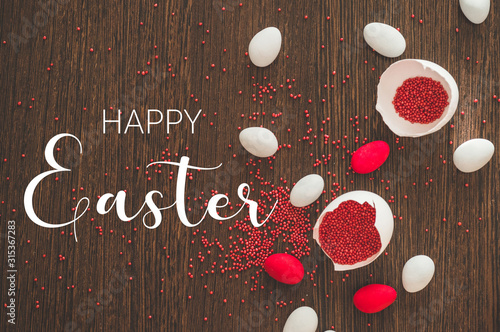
(463, 296)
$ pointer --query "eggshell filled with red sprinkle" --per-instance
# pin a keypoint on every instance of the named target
(416, 97)
(370, 157)
(374, 298)
(284, 268)
(354, 229)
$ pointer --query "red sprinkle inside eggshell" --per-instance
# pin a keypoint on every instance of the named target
(369, 157)
(374, 298)
(284, 268)
(420, 100)
(348, 234)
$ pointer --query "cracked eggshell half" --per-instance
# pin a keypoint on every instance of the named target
(394, 76)
(384, 222)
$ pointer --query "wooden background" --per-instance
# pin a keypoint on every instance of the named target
(463, 296)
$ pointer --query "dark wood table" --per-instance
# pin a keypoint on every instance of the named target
(61, 68)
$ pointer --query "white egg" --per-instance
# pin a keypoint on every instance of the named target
(417, 273)
(473, 155)
(265, 47)
(394, 76)
(307, 190)
(475, 10)
(303, 319)
(384, 39)
(384, 222)
(260, 142)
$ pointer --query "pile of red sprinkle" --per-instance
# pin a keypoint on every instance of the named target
(249, 246)
(348, 234)
(287, 224)
(420, 100)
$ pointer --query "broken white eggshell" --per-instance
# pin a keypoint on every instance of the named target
(384, 39)
(260, 142)
(265, 47)
(394, 76)
(303, 319)
(472, 155)
(417, 273)
(307, 190)
(476, 11)
(384, 222)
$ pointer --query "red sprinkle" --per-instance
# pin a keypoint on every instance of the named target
(420, 100)
(348, 234)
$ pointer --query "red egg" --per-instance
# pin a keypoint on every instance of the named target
(284, 268)
(374, 298)
(369, 157)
